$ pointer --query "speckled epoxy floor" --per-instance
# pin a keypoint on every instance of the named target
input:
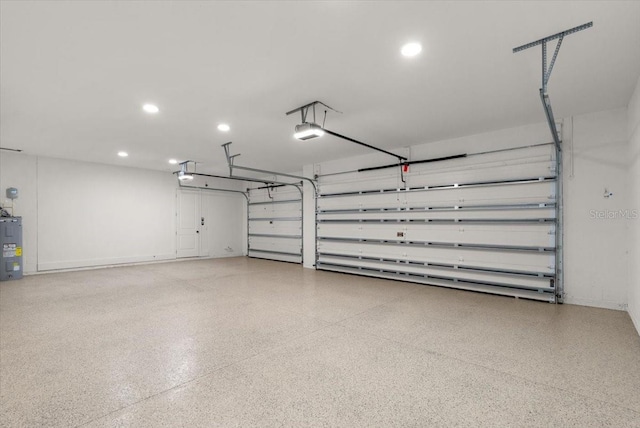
(243, 342)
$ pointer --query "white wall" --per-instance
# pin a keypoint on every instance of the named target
(634, 203)
(596, 248)
(79, 214)
(595, 252)
(91, 214)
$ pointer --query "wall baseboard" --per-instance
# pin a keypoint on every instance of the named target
(596, 304)
(113, 261)
(225, 255)
(157, 259)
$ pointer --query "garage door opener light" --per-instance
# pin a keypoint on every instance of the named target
(307, 131)
(184, 174)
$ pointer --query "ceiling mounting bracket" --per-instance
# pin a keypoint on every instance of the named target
(546, 73)
(304, 110)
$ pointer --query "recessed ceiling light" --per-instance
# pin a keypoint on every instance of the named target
(411, 49)
(223, 127)
(173, 161)
(150, 108)
(123, 154)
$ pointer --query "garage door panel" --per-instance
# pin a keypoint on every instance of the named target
(510, 261)
(417, 215)
(288, 228)
(276, 244)
(461, 285)
(270, 210)
(270, 255)
(275, 224)
(504, 235)
(484, 222)
(524, 281)
(530, 162)
(275, 194)
(470, 175)
(421, 176)
(537, 192)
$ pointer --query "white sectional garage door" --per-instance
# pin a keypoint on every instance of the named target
(484, 222)
(275, 223)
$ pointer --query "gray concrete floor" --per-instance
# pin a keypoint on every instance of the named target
(242, 342)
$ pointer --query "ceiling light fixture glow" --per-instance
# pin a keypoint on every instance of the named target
(411, 49)
(150, 108)
(123, 154)
(307, 131)
(224, 127)
(184, 174)
(173, 161)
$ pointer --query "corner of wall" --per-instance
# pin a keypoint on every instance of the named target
(633, 111)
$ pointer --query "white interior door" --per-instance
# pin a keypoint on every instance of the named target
(209, 224)
(189, 223)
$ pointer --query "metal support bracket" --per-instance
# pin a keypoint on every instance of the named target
(546, 73)
(546, 104)
(304, 110)
(213, 189)
(232, 166)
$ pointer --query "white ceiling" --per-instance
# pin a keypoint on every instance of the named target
(74, 75)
